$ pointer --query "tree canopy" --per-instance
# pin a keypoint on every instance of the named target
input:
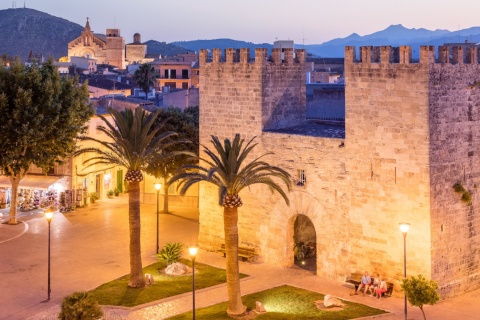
(185, 124)
(41, 114)
(420, 291)
(144, 77)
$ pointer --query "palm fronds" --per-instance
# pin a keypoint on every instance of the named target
(226, 168)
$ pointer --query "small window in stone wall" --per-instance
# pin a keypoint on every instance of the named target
(302, 179)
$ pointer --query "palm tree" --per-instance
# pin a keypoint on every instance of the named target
(144, 77)
(133, 144)
(227, 170)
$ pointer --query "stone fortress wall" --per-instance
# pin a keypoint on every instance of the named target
(410, 134)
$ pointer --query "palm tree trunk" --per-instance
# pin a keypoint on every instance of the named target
(136, 273)
(165, 196)
(230, 219)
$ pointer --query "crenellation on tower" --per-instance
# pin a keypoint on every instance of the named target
(405, 53)
(288, 55)
(276, 56)
(260, 55)
(443, 54)
(366, 54)
(457, 55)
(350, 55)
(427, 54)
(472, 55)
(300, 55)
(216, 55)
(231, 55)
(244, 55)
(202, 56)
(386, 54)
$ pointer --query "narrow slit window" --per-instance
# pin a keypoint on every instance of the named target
(302, 179)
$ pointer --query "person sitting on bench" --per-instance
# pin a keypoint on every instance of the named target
(381, 289)
(375, 285)
(364, 283)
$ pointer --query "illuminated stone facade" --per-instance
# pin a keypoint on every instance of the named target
(110, 50)
(412, 130)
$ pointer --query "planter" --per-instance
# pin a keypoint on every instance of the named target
(3, 205)
(110, 196)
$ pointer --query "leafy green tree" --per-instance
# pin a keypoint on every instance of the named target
(228, 170)
(420, 291)
(41, 114)
(144, 77)
(185, 124)
(133, 143)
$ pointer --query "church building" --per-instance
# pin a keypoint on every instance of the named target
(109, 49)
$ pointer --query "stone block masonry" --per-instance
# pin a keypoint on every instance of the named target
(411, 133)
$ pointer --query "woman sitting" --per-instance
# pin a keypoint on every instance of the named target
(382, 288)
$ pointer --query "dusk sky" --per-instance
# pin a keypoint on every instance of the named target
(257, 21)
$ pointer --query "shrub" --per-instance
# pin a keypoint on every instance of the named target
(466, 195)
(458, 188)
(170, 253)
(80, 306)
(420, 291)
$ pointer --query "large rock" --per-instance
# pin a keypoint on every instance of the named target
(177, 269)
(330, 301)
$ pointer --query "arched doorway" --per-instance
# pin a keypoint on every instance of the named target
(305, 239)
(277, 234)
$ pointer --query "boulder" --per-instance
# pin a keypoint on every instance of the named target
(176, 269)
(330, 301)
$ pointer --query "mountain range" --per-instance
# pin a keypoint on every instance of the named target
(26, 30)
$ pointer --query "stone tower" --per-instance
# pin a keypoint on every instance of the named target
(412, 131)
(136, 51)
(115, 48)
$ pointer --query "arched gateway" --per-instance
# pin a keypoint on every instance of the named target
(277, 240)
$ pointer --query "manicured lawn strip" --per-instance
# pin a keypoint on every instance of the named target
(286, 303)
(118, 293)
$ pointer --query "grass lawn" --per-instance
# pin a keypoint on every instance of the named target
(118, 293)
(286, 302)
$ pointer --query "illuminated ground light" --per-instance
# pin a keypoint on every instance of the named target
(259, 307)
(304, 262)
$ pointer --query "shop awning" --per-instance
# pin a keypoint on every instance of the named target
(31, 181)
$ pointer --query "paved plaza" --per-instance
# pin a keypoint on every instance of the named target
(90, 247)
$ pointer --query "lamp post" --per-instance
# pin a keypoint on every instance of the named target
(158, 186)
(193, 252)
(404, 227)
(49, 216)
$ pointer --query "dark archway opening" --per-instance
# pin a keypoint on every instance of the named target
(305, 243)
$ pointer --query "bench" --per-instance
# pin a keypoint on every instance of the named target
(356, 284)
(245, 253)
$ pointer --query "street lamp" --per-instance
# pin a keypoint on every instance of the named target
(158, 186)
(193, 252)
(49, 215)
(404, 227)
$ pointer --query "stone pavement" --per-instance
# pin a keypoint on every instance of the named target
(94, 241)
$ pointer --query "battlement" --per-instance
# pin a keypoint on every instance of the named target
(403, 55)
(243, 56)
